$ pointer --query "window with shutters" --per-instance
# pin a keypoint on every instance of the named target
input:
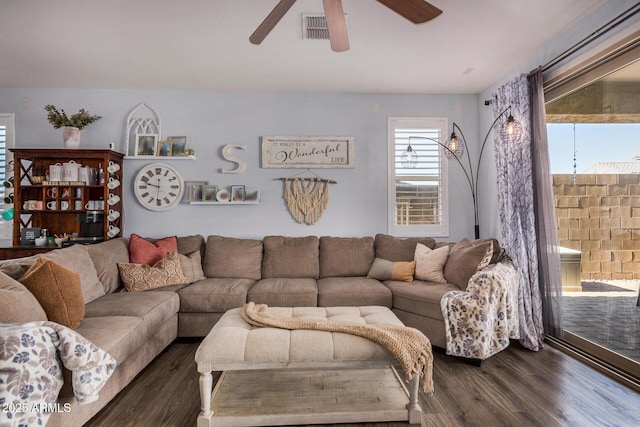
(418, 202)
(6, 141)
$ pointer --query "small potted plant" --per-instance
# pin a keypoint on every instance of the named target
(72, 125)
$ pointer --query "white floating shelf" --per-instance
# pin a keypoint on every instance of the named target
(159, 157)
(251, 202)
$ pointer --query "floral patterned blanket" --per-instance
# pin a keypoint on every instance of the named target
(480, 321)
(32, 356)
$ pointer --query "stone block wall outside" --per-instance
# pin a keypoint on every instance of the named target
(599, 215)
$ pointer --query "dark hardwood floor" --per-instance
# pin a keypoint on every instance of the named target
(516, 387)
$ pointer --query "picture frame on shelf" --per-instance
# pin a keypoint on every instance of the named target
(178, 146)
(251, 196)
(237, 193)
(164, 148)
(209, 193)
(146, 144)
(195, 188)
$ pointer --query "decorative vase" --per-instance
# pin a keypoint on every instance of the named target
(71, 137)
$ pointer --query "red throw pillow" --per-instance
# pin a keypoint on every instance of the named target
(142, 251)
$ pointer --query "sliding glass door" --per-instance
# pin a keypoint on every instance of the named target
(594, 146)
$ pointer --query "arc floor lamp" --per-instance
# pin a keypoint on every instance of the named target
(455, 146)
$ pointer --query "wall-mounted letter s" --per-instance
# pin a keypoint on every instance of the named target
(226, 154)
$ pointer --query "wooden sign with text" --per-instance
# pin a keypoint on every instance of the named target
(308, 152)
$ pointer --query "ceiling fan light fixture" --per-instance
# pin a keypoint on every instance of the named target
(416, 11)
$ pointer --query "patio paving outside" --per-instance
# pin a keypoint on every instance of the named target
(606, 314)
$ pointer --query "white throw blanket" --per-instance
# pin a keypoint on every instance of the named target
(480, 321)
(32, 356)
(408, 345)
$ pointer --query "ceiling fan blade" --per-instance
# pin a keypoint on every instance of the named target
(270, 21)
(336, 25)
(416, 11)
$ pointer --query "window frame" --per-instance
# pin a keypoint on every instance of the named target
(429, 230)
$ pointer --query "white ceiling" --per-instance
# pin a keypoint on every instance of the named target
(203, 45)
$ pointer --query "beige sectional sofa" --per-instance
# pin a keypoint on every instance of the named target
(134, 327)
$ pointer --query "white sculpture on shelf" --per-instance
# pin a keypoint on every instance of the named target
(141, 125)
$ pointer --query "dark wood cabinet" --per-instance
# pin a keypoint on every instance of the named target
(57, 205)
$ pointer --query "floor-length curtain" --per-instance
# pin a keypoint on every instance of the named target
(549, 271)
(516, 208)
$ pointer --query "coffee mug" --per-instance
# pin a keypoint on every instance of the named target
(113, 183)
(113, 215)
(8, 199)
(113, 231)
(65, 193)
(64, 205)
(8, 182)
(28, 205)
(52, 192)
(78, 205)
(113, 167)
(90, 205)
(100, 204)
(78, 192)
(51, 205)
(113, 199)
(8, 214)
(38, 205)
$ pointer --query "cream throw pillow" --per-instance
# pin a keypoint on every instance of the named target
(430, 263)
(141, 277)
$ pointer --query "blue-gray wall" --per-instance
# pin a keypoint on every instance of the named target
(358, 202)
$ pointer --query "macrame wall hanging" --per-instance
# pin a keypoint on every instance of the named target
(306, 198)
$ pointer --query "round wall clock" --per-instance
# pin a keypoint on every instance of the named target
(158, 186)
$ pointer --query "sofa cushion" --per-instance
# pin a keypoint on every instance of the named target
(229, 257)
(15, 268)
(383, 269)
(498, 251)
(430, 263)
(58, 291)
(120, 336)
(190, 244)
(141, 277)
(214, 295)
(465, 259)
(192, 266)
(76, 258)
(106, 256)
(17, 304)
(285, 292)
(395, 249)
(352, 291)
(143, 251)
(345, 256)
(154, 308)
(422, 298)
(293, 257)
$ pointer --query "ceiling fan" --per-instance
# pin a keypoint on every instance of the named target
(416, 11)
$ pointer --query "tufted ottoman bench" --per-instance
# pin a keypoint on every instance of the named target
(331, 377)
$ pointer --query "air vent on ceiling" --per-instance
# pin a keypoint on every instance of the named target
(314, 27)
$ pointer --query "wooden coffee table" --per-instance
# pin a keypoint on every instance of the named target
(280, 377)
